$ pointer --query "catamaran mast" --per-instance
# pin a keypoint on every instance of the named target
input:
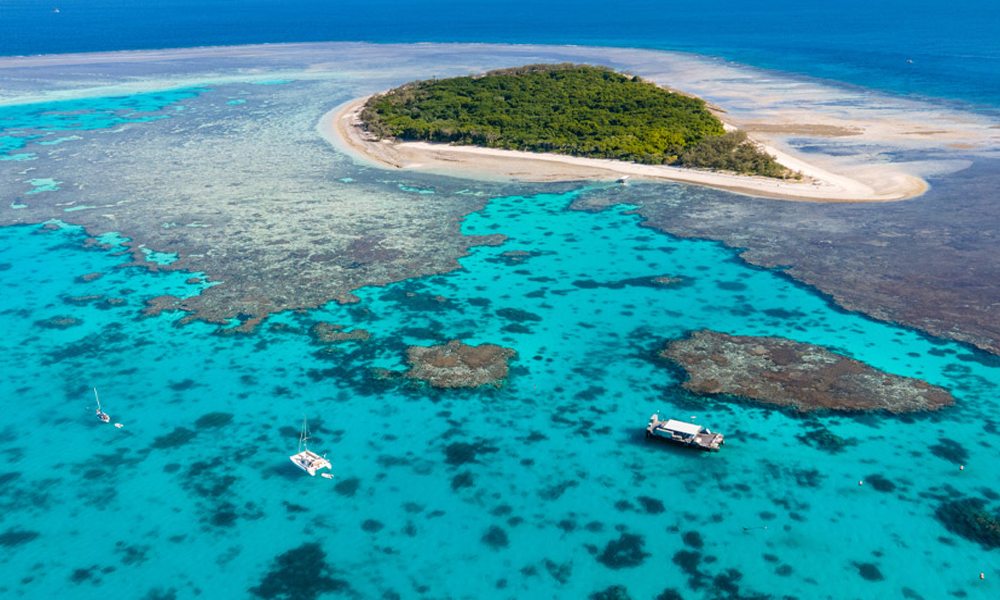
(304, 435)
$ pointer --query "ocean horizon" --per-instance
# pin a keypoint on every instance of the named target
(918, 48)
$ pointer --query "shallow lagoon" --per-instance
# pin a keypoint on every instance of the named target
(542, 488)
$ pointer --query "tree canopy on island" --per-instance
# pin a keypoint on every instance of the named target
(568, 109)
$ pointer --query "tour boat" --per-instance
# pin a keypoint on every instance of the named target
(686, 434)
(306, 459)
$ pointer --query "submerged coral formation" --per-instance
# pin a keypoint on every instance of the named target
(459, 365)
(970, 518)
(327, 333)
(786, 373)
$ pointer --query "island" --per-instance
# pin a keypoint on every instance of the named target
(579, 110)
(785, 373)
(563, 122)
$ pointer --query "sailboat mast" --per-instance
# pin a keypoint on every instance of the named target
(304, 435)
(98, 400)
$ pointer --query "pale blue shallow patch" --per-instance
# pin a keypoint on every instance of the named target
(407, 188)
(113, 238)
(160, 258)
(19, 156)
(42, 185)
(68, 138)
(26, 123)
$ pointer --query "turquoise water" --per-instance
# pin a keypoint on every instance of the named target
(517, 490)
(36, 122)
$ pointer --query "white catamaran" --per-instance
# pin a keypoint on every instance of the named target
(306, 459)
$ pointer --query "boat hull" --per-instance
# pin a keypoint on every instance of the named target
(310, 462)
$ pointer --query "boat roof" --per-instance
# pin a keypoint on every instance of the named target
(682, 427)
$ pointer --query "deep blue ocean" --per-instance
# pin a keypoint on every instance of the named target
(954, 46)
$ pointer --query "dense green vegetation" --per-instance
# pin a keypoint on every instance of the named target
(568, 109)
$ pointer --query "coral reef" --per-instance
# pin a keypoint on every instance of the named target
(787, 373)
(328, 333)
(459, 365)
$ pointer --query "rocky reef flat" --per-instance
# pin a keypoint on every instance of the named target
(786, 373)
(459, 365)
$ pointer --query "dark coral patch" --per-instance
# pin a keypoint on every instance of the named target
(347, 486)
(825, 440)
(16, 537)
(950, 450)
(495, 538)
(688, 561)
(462, 480)
(615, 592)
(180, 436)
(460, 453)
(517, 315)
(372, 526)
(880, 483)
(561, 572)
(214, 419)
(132, 554)
(625, 552)
(180, 386)
(652, 506)
(78, 576)
(556, 490)
(970, 519)
(224, 515)
(693, 539)
(299, 574)
(869, 572)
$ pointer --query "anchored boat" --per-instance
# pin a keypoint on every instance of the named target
(687, 434)
(103, 416)
(306, 459)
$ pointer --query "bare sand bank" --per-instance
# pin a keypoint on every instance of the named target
(342, 127)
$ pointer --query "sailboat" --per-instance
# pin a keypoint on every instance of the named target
(306, 459)
(103, 416)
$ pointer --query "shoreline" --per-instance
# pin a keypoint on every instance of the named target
(343, 129)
